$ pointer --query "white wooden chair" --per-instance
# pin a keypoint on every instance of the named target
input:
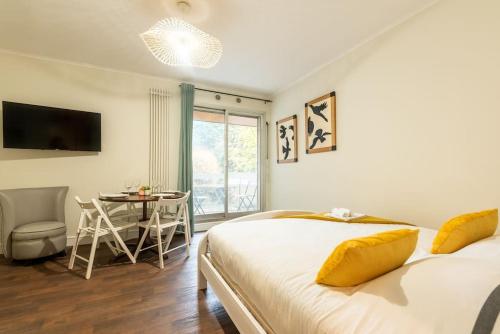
(159, 222)
(95, 223)
(117, 212)
(121, 211)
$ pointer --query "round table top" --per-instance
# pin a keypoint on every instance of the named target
(140, 198)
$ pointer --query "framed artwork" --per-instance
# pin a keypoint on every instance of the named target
(286, 139)
(320, 124)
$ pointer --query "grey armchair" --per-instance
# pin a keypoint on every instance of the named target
(32, 222)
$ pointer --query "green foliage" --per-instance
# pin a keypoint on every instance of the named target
(208, 137)
(208, 147)
(242, 149)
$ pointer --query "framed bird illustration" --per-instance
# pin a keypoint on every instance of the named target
(286, 139)
(320, 124)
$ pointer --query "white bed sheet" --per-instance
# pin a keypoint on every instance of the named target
(274, 263)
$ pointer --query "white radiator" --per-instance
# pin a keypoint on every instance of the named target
(159, 138)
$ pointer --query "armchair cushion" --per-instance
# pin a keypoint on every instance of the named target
(38, 230)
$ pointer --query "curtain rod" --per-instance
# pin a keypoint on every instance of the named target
(235, 95)
(209, 108)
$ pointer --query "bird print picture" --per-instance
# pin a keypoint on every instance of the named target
(286, 139)
(320, 121)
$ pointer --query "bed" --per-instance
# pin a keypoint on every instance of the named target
(262, 269)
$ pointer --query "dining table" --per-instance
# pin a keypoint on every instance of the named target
(135, 198)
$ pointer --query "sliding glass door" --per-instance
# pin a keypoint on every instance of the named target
(226, 164)
(208, 163)
(243, 164)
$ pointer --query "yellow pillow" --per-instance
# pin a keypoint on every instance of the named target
(359, 260)
(463, 230)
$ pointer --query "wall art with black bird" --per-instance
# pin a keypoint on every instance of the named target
(286, 139)
(320, 118)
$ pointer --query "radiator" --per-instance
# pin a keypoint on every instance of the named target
(159, 138)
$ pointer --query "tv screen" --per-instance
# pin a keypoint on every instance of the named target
(37, 127)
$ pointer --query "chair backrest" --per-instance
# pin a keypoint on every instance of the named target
(165, 203)
(27, 205)
(92, 209)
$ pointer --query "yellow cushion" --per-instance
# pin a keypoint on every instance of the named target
(463, 230)
(359, 260)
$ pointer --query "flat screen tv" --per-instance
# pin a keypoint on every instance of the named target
(29, 126)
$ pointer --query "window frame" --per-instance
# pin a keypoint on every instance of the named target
(261, 162)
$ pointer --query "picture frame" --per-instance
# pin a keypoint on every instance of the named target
(320, 124)
(286, 140)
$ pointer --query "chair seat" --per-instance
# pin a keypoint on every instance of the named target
(38, 230)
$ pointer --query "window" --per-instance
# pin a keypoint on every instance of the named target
(226, 164)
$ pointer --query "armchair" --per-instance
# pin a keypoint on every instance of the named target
(32, 222)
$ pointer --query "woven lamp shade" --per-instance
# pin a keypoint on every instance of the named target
(177, 43)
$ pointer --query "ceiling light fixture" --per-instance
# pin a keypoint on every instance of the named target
(176, 42)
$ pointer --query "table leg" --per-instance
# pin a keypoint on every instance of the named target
(144, 218)
(147, 241)
(144, 211)
(142, 230)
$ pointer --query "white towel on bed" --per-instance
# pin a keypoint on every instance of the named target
(340, 213)
(345, 214)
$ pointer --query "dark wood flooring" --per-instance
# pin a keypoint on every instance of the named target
(45, 297)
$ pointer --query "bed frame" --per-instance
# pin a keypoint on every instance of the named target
(207, 273)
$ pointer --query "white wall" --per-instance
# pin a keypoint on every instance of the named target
(418, 113)
(122, 99)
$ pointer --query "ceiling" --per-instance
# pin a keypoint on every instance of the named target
(267, 44)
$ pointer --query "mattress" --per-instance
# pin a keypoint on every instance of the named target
(273, 263)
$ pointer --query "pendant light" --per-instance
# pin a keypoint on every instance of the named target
(176, 42)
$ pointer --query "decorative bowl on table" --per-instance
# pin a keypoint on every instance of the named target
(145, 191)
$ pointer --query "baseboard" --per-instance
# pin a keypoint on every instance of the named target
(70, 240)
(87, 241)
(131, 235)
(200, 227)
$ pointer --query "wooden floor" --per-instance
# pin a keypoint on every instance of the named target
(44, 297)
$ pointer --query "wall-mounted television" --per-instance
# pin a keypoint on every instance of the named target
(28, 126)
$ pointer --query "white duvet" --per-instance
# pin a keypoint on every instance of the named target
(274, 263)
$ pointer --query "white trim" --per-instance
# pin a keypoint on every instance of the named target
(70, 239)
(173, 79)
(241, 316)
(86, 65)
(367, 40)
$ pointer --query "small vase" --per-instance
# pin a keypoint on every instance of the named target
(147, 192)
(141, 192)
